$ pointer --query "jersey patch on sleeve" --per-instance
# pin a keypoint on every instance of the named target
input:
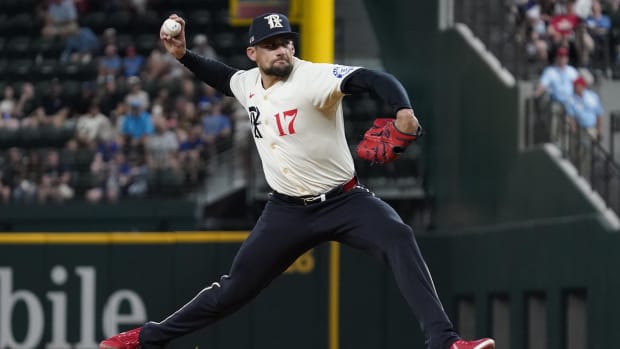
(341, 71)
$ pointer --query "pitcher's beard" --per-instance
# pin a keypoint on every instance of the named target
(279, 71)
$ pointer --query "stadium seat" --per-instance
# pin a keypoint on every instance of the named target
(71, 89)
(77, 71)
(121, 21)
(200, 21)
(221, 21)
(83, 159)
(17, 6)
(40, 87)
(18, 47)
(20, 69)
(146, 43)
(8, 138)
(81, 181)
(46, 69)
(21, 24)
(30, 137)
(2, 46)
(4, 64)
(224, 43)
(95, 21)
(240, 61)
(148, 22)
(47, 48)
(122, 42)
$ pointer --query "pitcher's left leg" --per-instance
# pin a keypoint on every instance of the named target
(373, 226)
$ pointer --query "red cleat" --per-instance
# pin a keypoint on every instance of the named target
(484, 343)
(124, 340)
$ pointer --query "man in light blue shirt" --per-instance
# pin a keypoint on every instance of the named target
(585, 109)
(558, 79)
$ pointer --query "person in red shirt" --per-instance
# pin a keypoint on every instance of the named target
(567, 30)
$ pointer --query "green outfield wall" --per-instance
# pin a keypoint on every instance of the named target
(69, 290)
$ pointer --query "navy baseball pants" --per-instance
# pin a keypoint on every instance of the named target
(287, 229)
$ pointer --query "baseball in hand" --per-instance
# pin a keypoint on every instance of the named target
(171, 27)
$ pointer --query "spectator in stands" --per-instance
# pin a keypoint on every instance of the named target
(110, 64)
(585, 109)
(15, 176)
(161, 66)
(8, 102)
(60, 19)
(202, 47)
(6, 180)
(137, 94)
(108, 37)
(93, 127)
(566, 30)
(558, 79)
(137, 172)
(26, 105)
(54, 109)
(162, 103)
(8, 105)
(599, 25)
(188, 89)
(109, 96)
(191, 153)
(81, 103)
(535, 31)
(583, 8)
(216, 129)
(186, 112)
(209, 95)
(5, 189)
(80, 46)
(132, 62)
(54, 181)
(162, 149)
(112, 177)
(136, 126)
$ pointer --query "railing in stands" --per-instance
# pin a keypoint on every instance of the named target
(503, 27)
(547, 122)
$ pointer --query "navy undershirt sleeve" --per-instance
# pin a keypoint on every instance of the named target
(384, 85)
(213, 73)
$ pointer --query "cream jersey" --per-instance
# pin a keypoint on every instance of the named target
(298, 127)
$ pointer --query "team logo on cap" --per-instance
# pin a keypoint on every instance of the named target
(274, 21)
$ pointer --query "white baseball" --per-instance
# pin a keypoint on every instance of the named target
(171, 27)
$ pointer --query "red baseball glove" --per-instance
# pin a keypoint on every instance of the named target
(383, 142)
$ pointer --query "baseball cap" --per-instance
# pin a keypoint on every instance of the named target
(562, 51)
(268, 25)
(580, 81)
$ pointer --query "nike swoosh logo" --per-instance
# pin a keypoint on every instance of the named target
(251, 94)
